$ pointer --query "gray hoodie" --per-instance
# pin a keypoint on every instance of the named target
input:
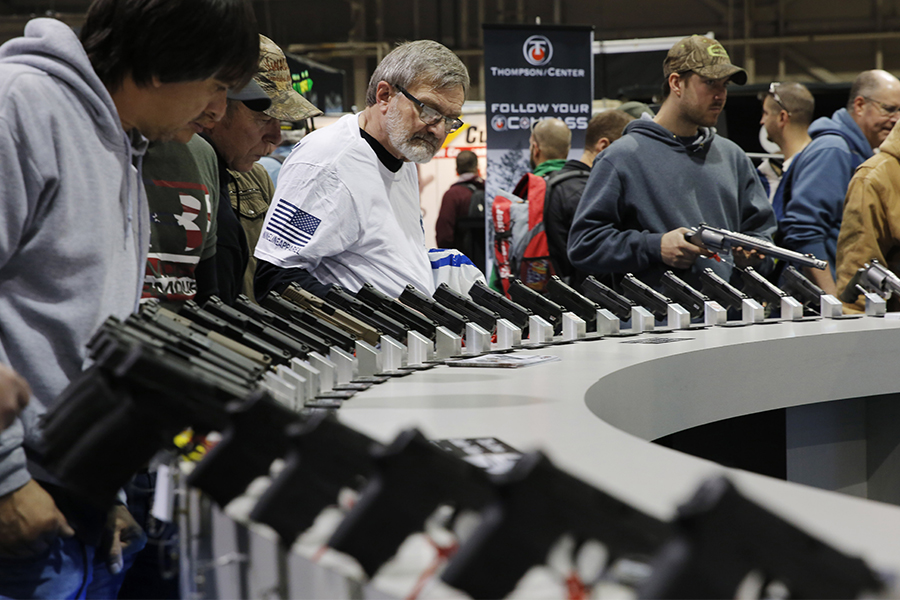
(74, 223)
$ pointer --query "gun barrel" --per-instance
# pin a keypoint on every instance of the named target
(718, 239)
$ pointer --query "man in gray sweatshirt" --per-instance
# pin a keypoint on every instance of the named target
(75, 116)
(669, 173)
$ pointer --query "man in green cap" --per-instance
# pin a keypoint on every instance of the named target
(668, 173)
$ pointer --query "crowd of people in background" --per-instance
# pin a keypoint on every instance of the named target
(130, 165)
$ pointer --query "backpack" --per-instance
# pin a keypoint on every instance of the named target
(468, 234)
(520, 242)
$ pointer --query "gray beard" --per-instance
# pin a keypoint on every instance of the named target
(418, 149)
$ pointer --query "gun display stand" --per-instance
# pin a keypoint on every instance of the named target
(641, 320)
(574, 328)
(791, 309)
(713, 313)
(607, 323)
(830, 307)
(326, 371)
(447, 344)
(478, 339)
(508, 336)
(368, 364)
(393, 358)
(678, 317)
(540, 332)
(752, 311)
(875, 305)
(420, 352)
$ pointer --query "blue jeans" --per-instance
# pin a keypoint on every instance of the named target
(68, 569)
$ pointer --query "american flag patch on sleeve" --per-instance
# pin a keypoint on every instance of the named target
(293, 224)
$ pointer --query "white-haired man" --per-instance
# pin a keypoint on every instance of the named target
(346, 209)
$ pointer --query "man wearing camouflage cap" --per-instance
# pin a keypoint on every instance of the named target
(250, 130)
(668, 173)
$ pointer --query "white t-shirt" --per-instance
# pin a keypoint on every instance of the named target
(346, 218)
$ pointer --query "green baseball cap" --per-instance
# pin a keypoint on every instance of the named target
(705, 57)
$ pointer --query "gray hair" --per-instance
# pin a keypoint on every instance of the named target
(867, 84)
(423, 62)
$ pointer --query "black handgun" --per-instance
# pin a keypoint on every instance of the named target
(801, 288)
(302, 334)
(500, 304)
(412, 478)
(761, 289)
(395, 309)
(259, 328)
(192, 343)
(871, 277)
(608, 298)
(476, 313)
(131, 403)
(204, 318)
(723, 536)
(364, 312)
(566, 296)
(294, 313)
(684, 294)
(324, 456)
(646, 296)
(720, 290)
(255, 436)
(435, 311)
(536, 504)
(543, 307)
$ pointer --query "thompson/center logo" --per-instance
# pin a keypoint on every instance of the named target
(537, 50)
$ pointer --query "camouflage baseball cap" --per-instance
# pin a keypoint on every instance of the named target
(705, 57)
(274, 77)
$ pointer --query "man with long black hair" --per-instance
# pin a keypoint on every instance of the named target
(75, 117)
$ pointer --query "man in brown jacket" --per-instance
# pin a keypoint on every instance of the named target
(871, 224)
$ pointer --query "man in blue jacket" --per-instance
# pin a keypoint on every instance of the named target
(669, 173)
(814, 204)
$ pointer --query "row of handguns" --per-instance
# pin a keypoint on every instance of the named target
(136, 397)
(159, 372)
(715, 541)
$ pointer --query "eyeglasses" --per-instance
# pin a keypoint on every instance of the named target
(773, 91)
(430, 116)
(886, 109)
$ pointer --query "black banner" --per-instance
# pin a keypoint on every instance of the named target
(532, 72)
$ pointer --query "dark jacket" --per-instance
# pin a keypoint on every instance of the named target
(559, 211)
(455, 206)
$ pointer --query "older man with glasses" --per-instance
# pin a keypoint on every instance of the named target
(787, 111)
(814, 203)
(346, 208)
